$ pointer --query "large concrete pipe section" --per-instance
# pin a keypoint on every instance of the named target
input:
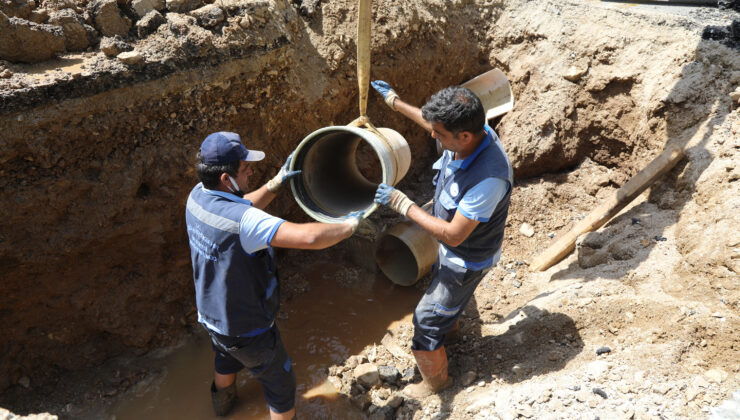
(332, 185)
(405, 253)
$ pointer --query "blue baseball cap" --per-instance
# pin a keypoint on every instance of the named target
(225, 147)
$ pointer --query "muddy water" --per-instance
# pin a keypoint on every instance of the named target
(345, 310)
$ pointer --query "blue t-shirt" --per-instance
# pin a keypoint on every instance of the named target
(256, 228)
(478, 203)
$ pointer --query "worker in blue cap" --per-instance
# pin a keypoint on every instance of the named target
(236, 282)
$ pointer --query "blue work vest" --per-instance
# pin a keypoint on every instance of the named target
(237, 294)
(489, 160)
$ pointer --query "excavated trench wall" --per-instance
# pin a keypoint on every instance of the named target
(96, 169)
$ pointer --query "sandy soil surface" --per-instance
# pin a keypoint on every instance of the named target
(601, 89)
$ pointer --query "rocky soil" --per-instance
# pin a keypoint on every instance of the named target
(97, 146)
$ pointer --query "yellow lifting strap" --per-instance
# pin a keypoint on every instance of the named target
(363, 52)
(364, 13)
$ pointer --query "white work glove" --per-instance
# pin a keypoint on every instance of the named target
(283, 175)
(393, 198)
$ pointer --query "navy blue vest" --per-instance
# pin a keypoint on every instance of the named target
(487, 237)
(237, 294)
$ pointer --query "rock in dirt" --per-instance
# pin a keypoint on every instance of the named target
(467, 378)
(27, 42)
(208, 16)
(143, 7)
(112, 46)
(131, 58)
(108, 18)
(575, 73)
(715, 375)
(735, 96)
(183, 6)
(39, 16)
(16, 8)
(77, 35)
(389, 374)
(6, 74)
(383, 413)
(367, 375)
(395, 401)
(149, 23)
(600, 392)
(527, 230)
(603, 350)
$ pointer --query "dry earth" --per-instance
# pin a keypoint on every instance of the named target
(96, 154)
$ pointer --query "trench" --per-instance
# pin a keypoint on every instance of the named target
(99, 166)
(341, 313)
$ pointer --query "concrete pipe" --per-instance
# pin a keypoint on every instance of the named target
(342, 167)
(405, 253)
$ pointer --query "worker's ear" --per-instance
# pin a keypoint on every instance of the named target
(225, 179)
(465, 137)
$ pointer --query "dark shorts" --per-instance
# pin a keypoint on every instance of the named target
(265, 357)
(449, 292)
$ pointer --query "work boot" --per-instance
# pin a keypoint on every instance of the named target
(223, 399)
(453, 335)
(433, 368)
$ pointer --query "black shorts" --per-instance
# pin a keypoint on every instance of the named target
(265, 357)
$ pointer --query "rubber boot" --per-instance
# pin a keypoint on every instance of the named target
(453, 335)
(433, 368)
(223, 399)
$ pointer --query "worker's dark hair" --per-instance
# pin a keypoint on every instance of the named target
(210, 175)
(457, 108)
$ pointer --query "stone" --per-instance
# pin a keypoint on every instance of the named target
(408, 374)
(112, 46)
(589, 257)
(361, 401)
(130, 58)
(382, 413)
(603, 350)
(622, 250)
(16, 8)
(735, 96)
(395, 401)
(208, 16)
(108, 18)
(574, 73)
(715, 375)
(527, 230)
(351, 362)
(367, 375)
(182, 6)
(6, 74)
(28, 42)
(467, 378)
(39, 16)
(335, 382)
(149, 23)
(24, 381)
(143, 7)
(77, 35)
(389, 374)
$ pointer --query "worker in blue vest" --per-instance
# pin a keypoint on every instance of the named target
(236, 283)
(471, 201)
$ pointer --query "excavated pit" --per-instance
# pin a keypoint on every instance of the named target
(97, 160)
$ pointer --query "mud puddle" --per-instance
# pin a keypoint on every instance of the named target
(345, 310)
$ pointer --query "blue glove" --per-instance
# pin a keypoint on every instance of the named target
(285, 170)
(393, 198)
(283, 175)
(383, 194)
(386, 91)
(354, 219)
(382, 87)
